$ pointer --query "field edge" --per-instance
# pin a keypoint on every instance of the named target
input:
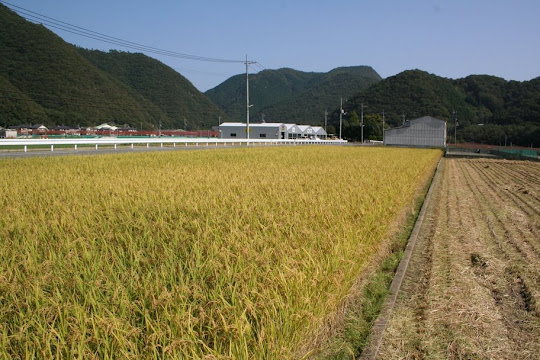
(348, 331)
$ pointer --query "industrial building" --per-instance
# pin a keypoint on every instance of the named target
(232, 130)
(426, 131)
(319, 132)
(290, 131)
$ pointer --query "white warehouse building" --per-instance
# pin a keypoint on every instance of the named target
(426, 131)
(290, 131)
(234, 130)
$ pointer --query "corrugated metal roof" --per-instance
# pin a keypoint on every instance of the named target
(318, 130)
(303, 128)
(232, 124)
(289, 126)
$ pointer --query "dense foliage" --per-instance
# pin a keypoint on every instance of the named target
(489, 109)
(163, 86)
(45, 80)
(288, 95)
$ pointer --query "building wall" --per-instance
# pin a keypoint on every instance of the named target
(425, 131)
(320, 132)
(256, 132)
(290, 131)
(8, 134)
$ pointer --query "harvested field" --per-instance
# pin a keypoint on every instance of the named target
(472, 290)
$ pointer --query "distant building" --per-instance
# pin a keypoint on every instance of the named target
(127, 128)
(307, 131)
(8, 134)
(230, 130)
(62, 128)
(21, 129)
(319, 132)
(40, 128)
(106, 126)
(290, 131)
(426, 131)
(30, 129)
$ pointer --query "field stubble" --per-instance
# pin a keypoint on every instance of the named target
(473, 289)
(237, 253)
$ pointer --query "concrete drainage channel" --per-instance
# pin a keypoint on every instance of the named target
(379, 327)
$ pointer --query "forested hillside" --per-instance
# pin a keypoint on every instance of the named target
(489, 109)
(45, 80)
(168, 90)
(288, 95)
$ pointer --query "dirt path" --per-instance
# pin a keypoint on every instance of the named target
(472, 289)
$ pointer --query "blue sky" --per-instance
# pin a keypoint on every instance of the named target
(450, 38)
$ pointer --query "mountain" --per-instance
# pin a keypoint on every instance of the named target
(489, 109)
(46, 80)
(287, 95)
(162, 86)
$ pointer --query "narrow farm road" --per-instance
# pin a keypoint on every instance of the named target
(472, 289)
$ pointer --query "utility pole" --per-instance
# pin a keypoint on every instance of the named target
(383, 126)
(185, 124)
(340, 117)
(247, 96)
(403, 116)
(325, 120)
(362, 122)
(454, 114)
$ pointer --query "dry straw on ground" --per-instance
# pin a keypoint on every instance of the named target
(474, 286)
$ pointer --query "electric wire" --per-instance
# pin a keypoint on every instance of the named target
(77, 30)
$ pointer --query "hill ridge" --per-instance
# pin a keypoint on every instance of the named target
(46, 80)
(291, 95)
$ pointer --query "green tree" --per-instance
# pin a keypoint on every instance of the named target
(373, 127)
(354, 119)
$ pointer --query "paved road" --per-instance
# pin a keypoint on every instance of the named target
(101, 151)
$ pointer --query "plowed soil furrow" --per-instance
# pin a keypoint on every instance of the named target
(509, 217)
(525, 172)
(473, 285)
(517, 252)
(525, 217)
(523, 197)
(490, 215)
(517, 182)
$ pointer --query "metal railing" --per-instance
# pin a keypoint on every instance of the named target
(24, 144)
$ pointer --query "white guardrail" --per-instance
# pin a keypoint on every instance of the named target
(161, 141)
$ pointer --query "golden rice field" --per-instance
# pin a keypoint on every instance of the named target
(222, 254)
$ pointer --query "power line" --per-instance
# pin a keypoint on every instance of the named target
(260, 66)
(64, 26)
(253, 68)
(201, 72)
